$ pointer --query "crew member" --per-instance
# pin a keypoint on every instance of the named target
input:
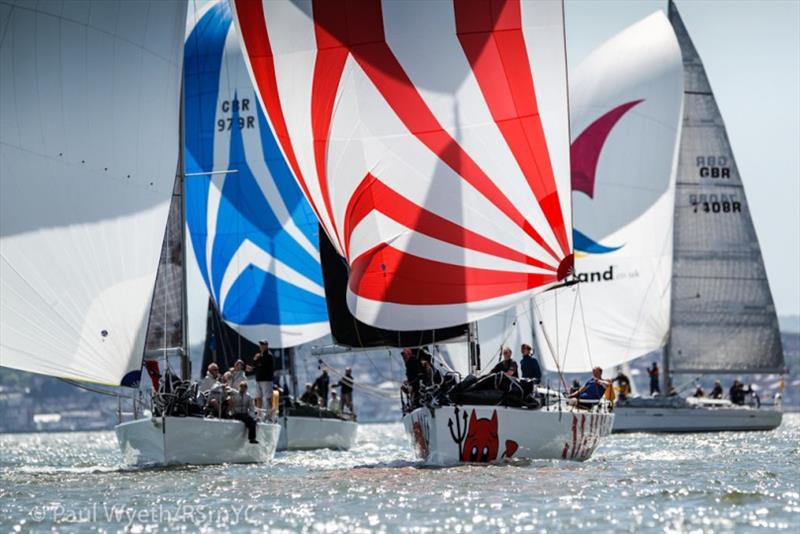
(593, 389)
(346, 385)
(529, 365)
(242, 408)
(507, 365)
(653, 372)
(264, 364)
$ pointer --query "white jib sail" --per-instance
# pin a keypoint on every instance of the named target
(89, 109)
(625, 101)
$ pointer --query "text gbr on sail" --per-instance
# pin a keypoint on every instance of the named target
(713, 167)
(236, 106)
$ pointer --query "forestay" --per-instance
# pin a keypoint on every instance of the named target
(625, 100)
(723, 315)
(89, 109)
(431, 139)
(510, 328)
(254, 235)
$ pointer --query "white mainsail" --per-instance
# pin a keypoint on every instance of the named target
(723, 316)
(625, 101)
(89, 118)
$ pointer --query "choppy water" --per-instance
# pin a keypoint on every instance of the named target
(714, 482)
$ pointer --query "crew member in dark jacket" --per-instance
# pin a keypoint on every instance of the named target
(309, 396)
(264, 364)
(654, 385)
(413, 374)
(321, 385)
(529, 365)
(507, 365)
(346, 384)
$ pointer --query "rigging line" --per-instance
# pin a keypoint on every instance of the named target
(441, 359)
(375, 392)
(569, 332)
(380, 373)
(341, 374)
(547, 341)
(555, 297)
(585, 331)
(95, 390)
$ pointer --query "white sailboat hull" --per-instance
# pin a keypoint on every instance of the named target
(194, 440)
(306, 433)
(695, 419)
(450, 435)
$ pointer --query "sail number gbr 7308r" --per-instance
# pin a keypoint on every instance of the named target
(713, 203)
(714, 168)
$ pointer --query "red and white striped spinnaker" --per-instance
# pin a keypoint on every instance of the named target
(432, 141)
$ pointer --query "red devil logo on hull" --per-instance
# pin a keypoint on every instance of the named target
(480, 442)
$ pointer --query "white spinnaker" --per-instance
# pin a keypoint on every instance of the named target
(419, 110)
(630, 89)
(89, 116)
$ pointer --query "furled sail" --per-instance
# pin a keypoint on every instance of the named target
(253, 233)
(723, 316)
(432, 141)
(89, 109)
(165, 323)
(625, 101)
(223, 344)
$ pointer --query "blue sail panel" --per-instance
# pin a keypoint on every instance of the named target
(255, 237)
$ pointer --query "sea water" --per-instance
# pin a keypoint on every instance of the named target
(637, 482)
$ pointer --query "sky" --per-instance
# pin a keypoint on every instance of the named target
(751, 52)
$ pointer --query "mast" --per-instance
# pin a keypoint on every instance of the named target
(290, 354)
(474, 348)
(186, 367)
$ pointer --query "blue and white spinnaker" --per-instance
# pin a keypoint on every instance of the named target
(254, 235)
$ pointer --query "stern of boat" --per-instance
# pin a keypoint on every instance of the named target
(449, 435)
(194, 440)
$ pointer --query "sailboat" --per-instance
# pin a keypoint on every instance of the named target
(434, 150)
(676, 260)
(90, 126)
(254, 235)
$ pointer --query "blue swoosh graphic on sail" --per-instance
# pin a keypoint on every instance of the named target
(254, 235)
(583, 243)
